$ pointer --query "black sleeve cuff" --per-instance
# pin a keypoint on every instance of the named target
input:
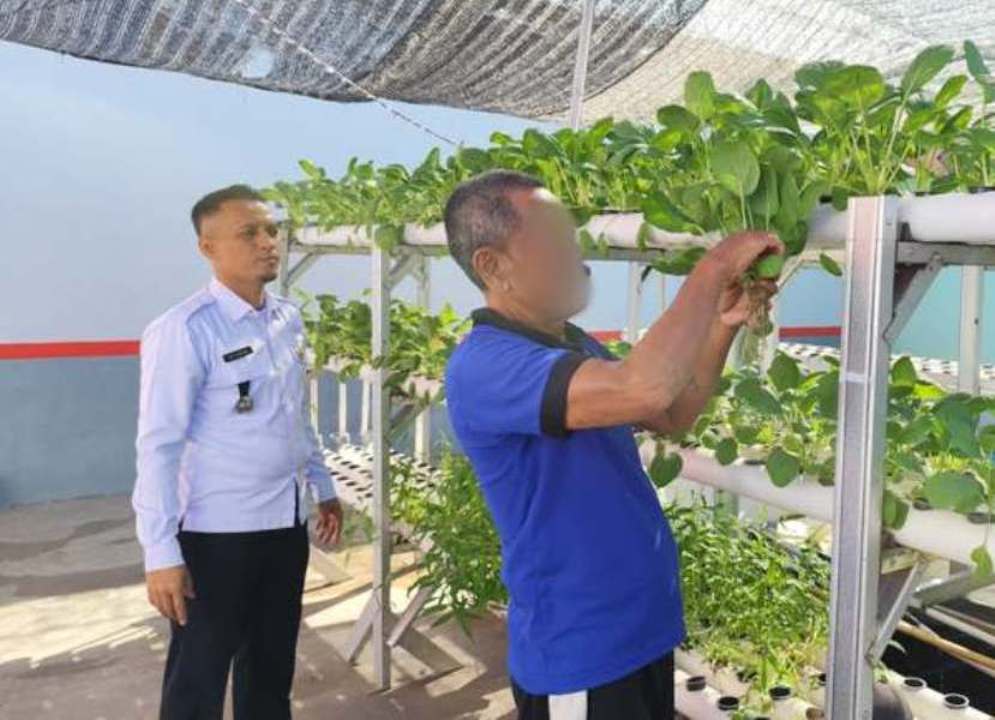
(553, 413)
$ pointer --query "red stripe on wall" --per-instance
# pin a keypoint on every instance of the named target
(801, 331)
(78, 349)
(126, 348)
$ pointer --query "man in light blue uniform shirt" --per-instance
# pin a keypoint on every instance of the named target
(225, 452)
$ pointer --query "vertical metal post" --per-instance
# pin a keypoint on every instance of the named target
(343, 413)
(423, 423)
(283, 274)
(364, 413)
(972, 292)
(634, 302)
(860, 444)
(380, 468)
(580, 64)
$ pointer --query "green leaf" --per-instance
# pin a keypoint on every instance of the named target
(388, 237)
(950, 90)
(814, 75)
(746, 434)
(736, 167)
(955, 491)
(726, 451)
(665, 468)
(764, 202)
(538, 145)
(660, 212)
(760, 94)
(956, 418)
(792, 209)
(895, 511)
(830, 266)
(858, 85)
(782, 467)
(903, 373)
(699, 94)
(311, 170)
(979, 71)
(926, 66)
(784, 372)
(474, 159)
(982, 560)
(678, 262)
(678, 118)
(769, 266)
(916, 431)
(827, 392)
(751, 392)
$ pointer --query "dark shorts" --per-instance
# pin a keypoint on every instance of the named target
(646, 694)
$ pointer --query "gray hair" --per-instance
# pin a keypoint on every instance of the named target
(480, 213)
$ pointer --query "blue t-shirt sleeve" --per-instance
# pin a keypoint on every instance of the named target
(510, 386)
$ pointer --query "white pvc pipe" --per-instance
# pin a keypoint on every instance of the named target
(972, 291)
(697, 705)
(934, 532)
(952, 218)
(726, 682)
(926, 703)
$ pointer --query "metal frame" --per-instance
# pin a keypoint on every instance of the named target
(887, 275)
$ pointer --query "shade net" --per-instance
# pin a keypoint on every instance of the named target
(512, 56)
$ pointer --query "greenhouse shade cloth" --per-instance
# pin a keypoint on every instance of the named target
(515, 57)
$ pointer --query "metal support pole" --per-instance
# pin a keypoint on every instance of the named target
(423, 425)
(380, 466)
(283, 276)
(364, 414)
(634, 302)
(972, 292)
(343, 413)
(580, 65)
(870, 269)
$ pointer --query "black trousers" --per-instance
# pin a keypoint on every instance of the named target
(245, 617)
(646, 694)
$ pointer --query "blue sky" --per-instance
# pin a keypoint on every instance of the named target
(101, 164)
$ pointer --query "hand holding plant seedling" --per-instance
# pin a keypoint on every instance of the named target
(752, 260)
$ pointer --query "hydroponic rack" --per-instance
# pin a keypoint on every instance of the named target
(894, 249)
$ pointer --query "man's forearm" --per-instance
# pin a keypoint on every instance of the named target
(683, 413)
(670, 355)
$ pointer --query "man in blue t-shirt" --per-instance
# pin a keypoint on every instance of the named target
(546, 416)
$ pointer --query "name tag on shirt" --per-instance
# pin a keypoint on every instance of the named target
(237, 354)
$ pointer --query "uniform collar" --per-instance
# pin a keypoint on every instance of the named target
(574, 339)
(235, 307)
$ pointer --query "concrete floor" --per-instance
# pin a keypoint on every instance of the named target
(78, 639)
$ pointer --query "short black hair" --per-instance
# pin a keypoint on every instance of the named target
(480, 213)
(211, 203)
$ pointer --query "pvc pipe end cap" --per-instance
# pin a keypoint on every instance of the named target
(956, 702)
(696, 683)
(727, 702)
